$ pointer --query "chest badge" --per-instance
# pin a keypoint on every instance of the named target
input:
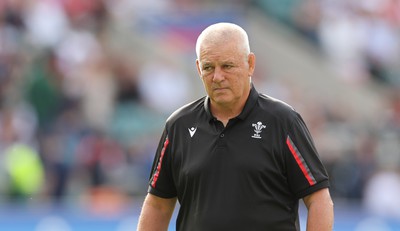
(258, 127)
(192, 130)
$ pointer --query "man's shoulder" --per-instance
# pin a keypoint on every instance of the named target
(274, 105)
(276, 108)
(186, 110)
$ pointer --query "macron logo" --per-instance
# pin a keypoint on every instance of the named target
(192, 130)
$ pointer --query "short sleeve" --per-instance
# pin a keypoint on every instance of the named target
(306, 172)
(161, 182)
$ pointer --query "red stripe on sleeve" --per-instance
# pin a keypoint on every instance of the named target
(157, 173)
(300, 161)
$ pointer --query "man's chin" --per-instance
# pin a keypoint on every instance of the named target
(223, 101)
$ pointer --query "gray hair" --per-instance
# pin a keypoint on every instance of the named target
(223, 30)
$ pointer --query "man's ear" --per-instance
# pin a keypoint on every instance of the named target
(198, 67)
(251, 59)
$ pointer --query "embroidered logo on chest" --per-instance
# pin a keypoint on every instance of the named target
(192, 130)
(258, 127)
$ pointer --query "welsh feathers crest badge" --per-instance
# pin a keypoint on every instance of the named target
(258, 127)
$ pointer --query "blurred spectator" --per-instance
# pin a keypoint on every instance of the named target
(164, 86)
(59, 150)
(25, 171)
(99, 156)
(98, 91)
(126, 78)
(44, 88)
(90, 14)
(306, 18)
(342, 37)
(42, 32)
(393, 117)
(382, 194)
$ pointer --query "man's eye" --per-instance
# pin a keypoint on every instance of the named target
(228, 66)
(207, 68)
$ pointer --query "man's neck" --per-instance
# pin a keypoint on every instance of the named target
(224, 112)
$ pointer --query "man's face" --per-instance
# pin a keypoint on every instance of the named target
(225, 70)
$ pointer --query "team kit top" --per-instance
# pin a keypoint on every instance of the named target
(248, 175)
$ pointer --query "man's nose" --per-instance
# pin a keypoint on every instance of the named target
(218, 74)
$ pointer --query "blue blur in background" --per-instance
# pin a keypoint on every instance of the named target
(348, 218)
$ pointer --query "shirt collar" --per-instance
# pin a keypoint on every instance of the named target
(251, 101)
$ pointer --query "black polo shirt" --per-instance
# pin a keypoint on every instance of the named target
(248, 175)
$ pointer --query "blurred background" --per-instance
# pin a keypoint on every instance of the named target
(86, 86)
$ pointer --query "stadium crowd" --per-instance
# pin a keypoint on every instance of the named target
(81, 107)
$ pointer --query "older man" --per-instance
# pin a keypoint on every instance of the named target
(235, 159)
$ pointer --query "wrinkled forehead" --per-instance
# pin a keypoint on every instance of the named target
(219, 38)
(222, 48)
